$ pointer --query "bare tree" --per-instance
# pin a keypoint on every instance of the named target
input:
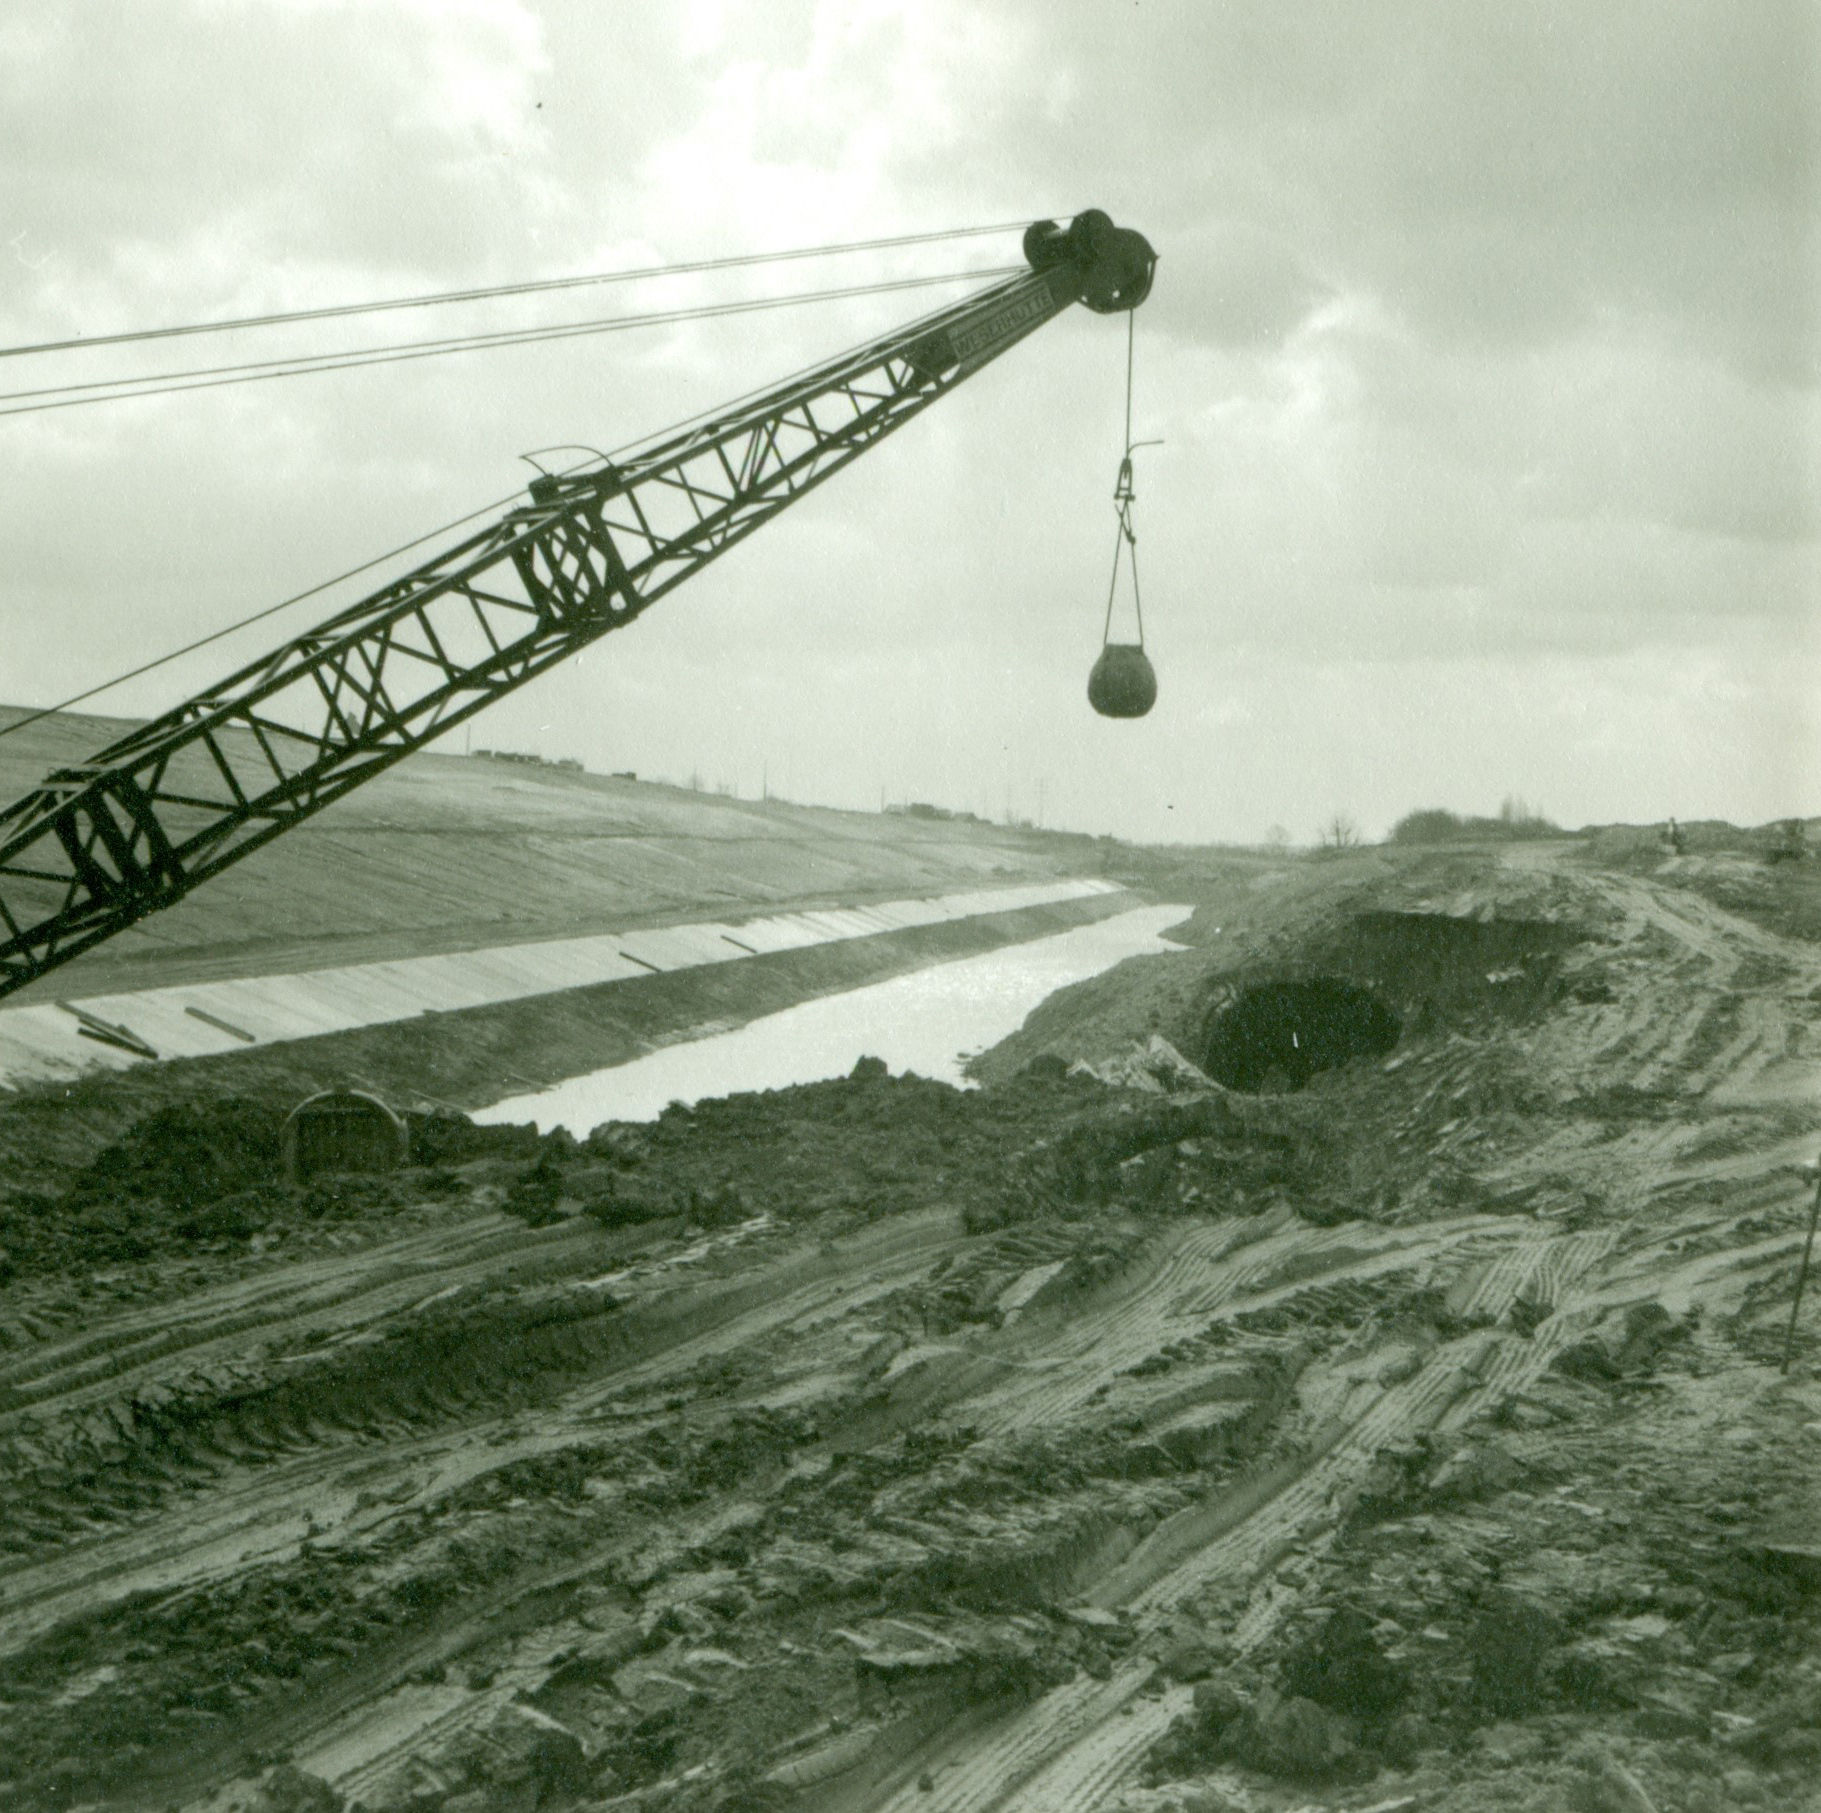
(1339, 833)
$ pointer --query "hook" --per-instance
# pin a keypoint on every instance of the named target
(1123, 492)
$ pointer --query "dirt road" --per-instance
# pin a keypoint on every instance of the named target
(1412, 1438)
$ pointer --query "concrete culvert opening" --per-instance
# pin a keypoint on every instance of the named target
(1274, 1036)
(341, 1131)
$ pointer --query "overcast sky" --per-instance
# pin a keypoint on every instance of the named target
(1483, 345)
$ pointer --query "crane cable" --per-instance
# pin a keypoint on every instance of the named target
(112, 390)
(534, 287)
(1124, 535)
(39, 713)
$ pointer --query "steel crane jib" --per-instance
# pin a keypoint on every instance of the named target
(101, 844)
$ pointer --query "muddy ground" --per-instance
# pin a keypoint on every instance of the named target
(1356, 1385)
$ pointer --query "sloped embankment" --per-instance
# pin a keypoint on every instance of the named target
(453, 853)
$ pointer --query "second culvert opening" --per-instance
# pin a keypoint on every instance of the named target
(1276, 1035)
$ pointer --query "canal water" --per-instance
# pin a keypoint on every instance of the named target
(931, 1021)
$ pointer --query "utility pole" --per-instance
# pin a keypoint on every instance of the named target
(1808, 1247)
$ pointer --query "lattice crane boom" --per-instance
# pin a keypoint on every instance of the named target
(102, 844)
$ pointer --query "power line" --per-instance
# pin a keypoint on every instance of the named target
(365, 566)
(213, 377)
(535, 287)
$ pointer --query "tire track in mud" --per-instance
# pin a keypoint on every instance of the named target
(1045, 1760)
(364, 1731)
(1741, 1056)
(196, 1434)
(1611, 1043)
(843, 1278)
(911, 1243)
(914, 1248)
(231, 1457)
(1061, 1756)
(1075, 1746)
(1536, 1266)
(1209, 1274)
(1665, 1061)
(1706, 931)
(1724, 1035)
(397, 1300)
(197, 1769)
(1659, 1216)
(1079, 1780)
(1067, 1753)
(1154, 1582)
(354, 1288)
(1771, 1040)
(1580, 1275)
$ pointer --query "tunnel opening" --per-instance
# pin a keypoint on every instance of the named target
(1274, 1036)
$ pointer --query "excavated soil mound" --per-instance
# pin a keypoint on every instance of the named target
(1353, 991)
(209, 1173)
(1447, 963)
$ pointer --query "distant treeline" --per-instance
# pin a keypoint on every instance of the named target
(534, 761)
(917, 808)
(1433, 825)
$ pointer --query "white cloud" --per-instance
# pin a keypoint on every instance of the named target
(1483, 347)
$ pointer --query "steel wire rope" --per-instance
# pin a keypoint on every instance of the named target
(1123, 499)
(534, 287)
(859, 349)
(120, 390)
(284, 604)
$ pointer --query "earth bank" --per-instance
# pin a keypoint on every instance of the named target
(1397, 1421)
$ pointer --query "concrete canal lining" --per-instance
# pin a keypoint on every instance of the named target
(41, 1043)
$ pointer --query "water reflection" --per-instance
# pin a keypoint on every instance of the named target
(930, 1022)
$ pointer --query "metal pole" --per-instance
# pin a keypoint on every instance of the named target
(1808, 1247)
